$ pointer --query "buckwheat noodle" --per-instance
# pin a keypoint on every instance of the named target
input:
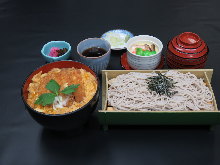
(130, 92)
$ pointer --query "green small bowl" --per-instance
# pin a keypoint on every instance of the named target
(60, 44)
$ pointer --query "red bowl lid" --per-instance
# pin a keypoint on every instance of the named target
(187, 55)
(188, 46)
(180, 48)
(186, 61)
(189, 39)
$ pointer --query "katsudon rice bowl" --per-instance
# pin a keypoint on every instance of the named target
(61, 95)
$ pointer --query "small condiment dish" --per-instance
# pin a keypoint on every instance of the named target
(60, 44)
(118, 35)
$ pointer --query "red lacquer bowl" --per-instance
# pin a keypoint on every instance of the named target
(175, 65)
(187, 49)
(186, 61)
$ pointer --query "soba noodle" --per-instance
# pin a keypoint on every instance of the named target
(130, 92)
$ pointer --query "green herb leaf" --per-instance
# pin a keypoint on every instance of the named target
(70, 89)
(53, 86)
(45, 99)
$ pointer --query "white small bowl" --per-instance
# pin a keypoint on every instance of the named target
(138, 62)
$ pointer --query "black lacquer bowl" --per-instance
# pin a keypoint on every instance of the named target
(72, 120)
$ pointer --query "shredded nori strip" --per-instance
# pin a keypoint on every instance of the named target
(161, 84)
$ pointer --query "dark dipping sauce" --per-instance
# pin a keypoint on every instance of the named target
(94, 52)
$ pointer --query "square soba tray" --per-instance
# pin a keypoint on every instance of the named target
(109, 116)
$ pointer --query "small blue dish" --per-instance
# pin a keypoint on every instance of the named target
(117, 38)
(60, 44)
